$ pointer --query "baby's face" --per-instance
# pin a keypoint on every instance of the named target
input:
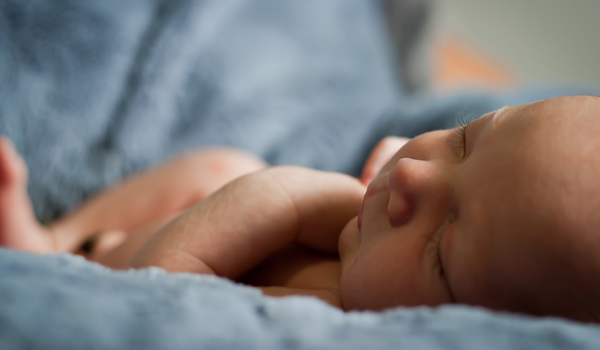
(478, 215)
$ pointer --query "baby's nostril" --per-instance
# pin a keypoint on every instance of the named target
(399, 209)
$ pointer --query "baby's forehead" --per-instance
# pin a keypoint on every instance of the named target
(567, 109)
(547, 190)
(541, 173)
(564, 131)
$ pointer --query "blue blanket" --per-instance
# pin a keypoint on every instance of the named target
(91, 91)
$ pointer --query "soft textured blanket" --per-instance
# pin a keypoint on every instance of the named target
(91, 91)
(61, 302)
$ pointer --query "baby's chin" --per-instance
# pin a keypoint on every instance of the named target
(355, 295)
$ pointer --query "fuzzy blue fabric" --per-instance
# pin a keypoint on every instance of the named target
(91, 91)
(63, 302)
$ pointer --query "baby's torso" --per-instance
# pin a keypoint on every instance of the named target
(296, 270)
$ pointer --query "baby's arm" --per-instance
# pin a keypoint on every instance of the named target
(154, 194)
(232, 231)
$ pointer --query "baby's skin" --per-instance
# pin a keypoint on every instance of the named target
(130, 211)
(500, 213)
(232, 232)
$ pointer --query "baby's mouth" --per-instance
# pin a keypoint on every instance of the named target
(360, 214)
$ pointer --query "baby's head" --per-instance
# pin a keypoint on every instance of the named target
(504, 214)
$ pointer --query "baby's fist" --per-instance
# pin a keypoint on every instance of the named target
(380, 155)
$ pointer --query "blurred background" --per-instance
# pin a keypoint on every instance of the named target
(517, 41)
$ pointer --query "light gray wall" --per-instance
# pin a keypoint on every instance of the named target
(542, 40)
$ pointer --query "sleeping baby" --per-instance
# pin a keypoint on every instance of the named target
(501, 212)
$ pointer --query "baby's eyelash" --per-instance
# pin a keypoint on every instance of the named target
(461, 119)
(460, 127)
(458, 138)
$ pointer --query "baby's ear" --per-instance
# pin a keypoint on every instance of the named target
(380, 155)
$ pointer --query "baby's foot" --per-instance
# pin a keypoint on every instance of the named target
(18, 226)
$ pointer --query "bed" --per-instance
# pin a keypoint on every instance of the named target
(93, 91)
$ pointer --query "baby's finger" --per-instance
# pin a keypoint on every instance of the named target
(380, 155)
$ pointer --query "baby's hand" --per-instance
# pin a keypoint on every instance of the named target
(380, 155)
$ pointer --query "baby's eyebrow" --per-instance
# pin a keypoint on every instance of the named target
(499, 114)
(502, 109)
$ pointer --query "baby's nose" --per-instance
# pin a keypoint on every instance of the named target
(409, 183)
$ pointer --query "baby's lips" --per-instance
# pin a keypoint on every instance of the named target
(360, 214)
